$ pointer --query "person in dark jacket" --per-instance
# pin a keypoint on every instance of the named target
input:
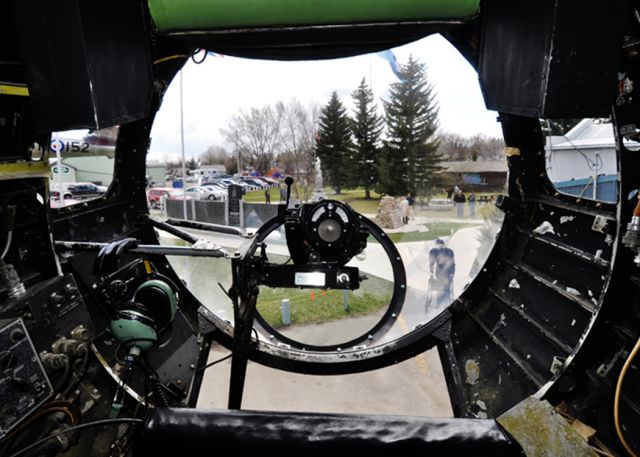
(412, 200)
(472, 205)
(442, 267)
(459, 199)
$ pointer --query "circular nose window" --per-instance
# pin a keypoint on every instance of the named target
(427, 180)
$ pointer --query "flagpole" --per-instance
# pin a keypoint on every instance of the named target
(184, 169)
(59, 174)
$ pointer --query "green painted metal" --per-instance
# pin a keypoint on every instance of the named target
(202, 15)
(125, 330)
(139, 333)
(166, 288)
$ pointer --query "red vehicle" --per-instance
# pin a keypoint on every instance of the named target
(156, 196)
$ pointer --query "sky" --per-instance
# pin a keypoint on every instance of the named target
(218, 88)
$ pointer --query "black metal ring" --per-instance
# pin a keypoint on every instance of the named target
(388, 318)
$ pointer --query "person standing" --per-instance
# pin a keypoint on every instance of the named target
(459, 199)
(411, 199)
(442, 267)
(472, 205)
(450, 192)
(283, 194)
(267, 196)
(404, 210)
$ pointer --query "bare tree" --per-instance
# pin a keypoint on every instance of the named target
(478, 147)
(255, 135)
(214, 155)
(298, 140)
(231, 165)
(453, 146)
(172, 166)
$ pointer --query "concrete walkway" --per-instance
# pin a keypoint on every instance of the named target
(414, 387)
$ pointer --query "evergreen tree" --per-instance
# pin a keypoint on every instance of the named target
(367, 127)
(333, 143)
(192, 164)
(410, 159)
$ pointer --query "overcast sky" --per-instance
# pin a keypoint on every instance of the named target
(216, 89)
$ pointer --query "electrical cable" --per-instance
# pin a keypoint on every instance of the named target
(131, 340)
(77, 427)
(602, 449)
(599, 451)
(71, 410)
(64, 378)
(55, 406)
(616, 401)
(151, 376)
(166, 59)
(196, 52)
(7, 245)
(636, 14)
(158, 390)
(78, 374)
(593, 165)
(215, 362)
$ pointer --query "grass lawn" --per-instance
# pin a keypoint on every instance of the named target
(354, 197)
(307, 305)
(257, 196)
(436, 230)
(312, 306)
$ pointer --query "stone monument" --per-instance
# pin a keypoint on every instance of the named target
(388, 215)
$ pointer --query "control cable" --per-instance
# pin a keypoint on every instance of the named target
(77, 427)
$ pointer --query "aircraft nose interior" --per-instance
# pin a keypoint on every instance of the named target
(104, 346)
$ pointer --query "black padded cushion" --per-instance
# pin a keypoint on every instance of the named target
(175, 431)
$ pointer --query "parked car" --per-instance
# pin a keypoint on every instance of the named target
(268, 181)
(219, 183)
(218, 188)
(255, 183)
(206, 193)
(155, 196)
(225, 183)
(212, 179)
(79, 190)
(179, 194)
(237, 182)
